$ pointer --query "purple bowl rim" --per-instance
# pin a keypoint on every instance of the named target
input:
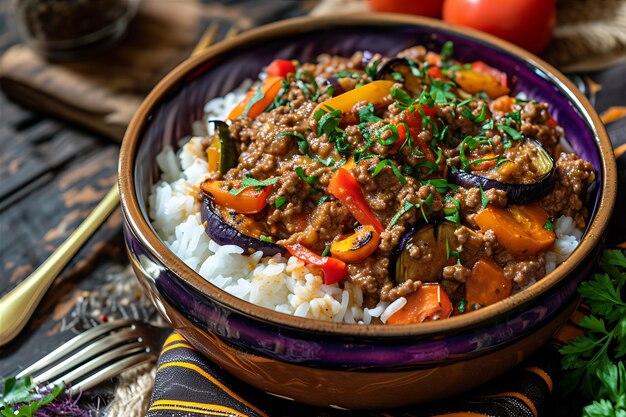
(134, 218)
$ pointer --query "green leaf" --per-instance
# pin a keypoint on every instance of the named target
(326, 250)
(303, 144)
(549, 225)
(407, 206)
(447, 50)
(388, 162)
(484, 200)
(280, 201)
(366, 114)
(309, 180)
(602, 408)
(593, 324)
(258, 96)
(514, 134)
(401, 96)
(372, 68)
(392, 139)
(251, 182)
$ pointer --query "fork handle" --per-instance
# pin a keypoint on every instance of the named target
(17, 306)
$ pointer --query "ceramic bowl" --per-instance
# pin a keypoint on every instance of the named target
(344, 365)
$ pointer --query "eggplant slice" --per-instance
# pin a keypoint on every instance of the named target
(434, 241)
(401, 70)
(523, 190)
(220, 227)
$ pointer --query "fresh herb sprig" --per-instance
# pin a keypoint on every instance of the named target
(594, 362)
(22, 399)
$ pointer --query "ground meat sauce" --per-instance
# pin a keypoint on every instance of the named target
(401, 151)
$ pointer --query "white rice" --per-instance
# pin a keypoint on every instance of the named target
(285, 285)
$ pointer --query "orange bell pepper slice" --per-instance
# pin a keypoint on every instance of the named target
(333, 269)
(429, 302)
(357, 246)
(347, 189)
(269, 89)
(500, 77)
(487, 284)
(248, 201)
(373, 92)
(518, 228)
(475, 82)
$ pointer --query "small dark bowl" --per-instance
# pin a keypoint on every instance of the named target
(332, 364)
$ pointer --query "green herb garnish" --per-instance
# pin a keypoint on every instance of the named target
(453, 214)
(594, 362)
(366, 114)
(372, 68)
(549, 225)
(22, 399)
(258, 96)
(514, 134)
(407, 206)
(388, 162)
(280, 201)
(251, 182)
(265, 238)
(326, 250)
(309, 180)
(303, 145)
(483, 198)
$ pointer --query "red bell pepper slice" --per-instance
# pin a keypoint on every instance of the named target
(333, 269)
(414, 123)
(435, 72)
(347, 189)
(280, 68)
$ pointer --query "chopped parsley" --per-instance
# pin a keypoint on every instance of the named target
(322, 200)
(265, 238)
(372, 68)
(396, 76)
(549, 225)
(483, 198)
(453, 213)
(462, 306)
(514, 134)
(366, 114)
(471, 142)
(313, 95)
(441, 185)
(388, 162)
(348, 74)
(405, 209)
(303, 145)
(326, 250)
(280, 201)
(391, 139)
(309, 180)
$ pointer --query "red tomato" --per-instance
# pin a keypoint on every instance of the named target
(430, 8)
(527, 23)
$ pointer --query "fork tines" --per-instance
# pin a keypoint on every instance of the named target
(93, 356)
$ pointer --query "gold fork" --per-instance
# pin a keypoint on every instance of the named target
(17, 306)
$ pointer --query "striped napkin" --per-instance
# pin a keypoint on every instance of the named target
(187, 384)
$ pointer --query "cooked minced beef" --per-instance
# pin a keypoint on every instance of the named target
(401, 148)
